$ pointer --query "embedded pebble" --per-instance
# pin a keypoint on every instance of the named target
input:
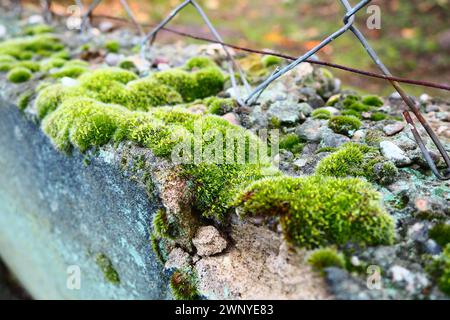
(393, 129)
(208, 241)
(394, 153)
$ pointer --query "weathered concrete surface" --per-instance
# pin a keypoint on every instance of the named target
(56, 211)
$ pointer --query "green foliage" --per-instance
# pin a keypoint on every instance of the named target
(30, 65)
(344, 124)
(127, 65)
(199, 63)
(269, 61)
(69, 71)
(324, 258)
(440, 233)
(19, 75)
(440, 270)
(378, 116)
(319, 211)
(374, 137)
(323, 114)
(37, 29)
(351, 112)
(51, 63)
(219, 106)
(357, 160)
(161, 224)
(24, 99)
(183, 284)
(358, 107)
(326, 149)
(106, 266)
(24, 48)
(112, 46)
(373, 101)
(291, 142)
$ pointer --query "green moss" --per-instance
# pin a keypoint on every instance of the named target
(30, 65)
(374, 137)
(270, 61)
(291, 142)
(112, 46)
(199, 63)
(320, 211)
(106, 266)
(219, 106)
(358, 107)
(162, 225)
(128, 65)
(184, 285)
(348, 100)
(7, 58)
(344, 124)
(441, 234)
(147, 92)
(326, 149)
(19, 75)
(323, 114)
(440, 270)
(373, 101)
(51, 63)
(324, 258)
(378, 116)
(358, 160)
(6, 66)
(38, 29)
(24, 99)
(63, 54)
(24, 48)
(69, 71)
(333, 100)
(351, 112)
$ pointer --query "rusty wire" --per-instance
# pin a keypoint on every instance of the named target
(348, 26)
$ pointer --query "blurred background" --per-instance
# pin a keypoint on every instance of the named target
(414, 39)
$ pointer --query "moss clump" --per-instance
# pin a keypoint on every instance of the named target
(441, 234)
(348, 100)
(69, 71)
(219, 106)
(112, 46)
(107, 268)
(24, 48)
(161, 224)
(358, 107)
(374, 137)
(358, 160)
(326, 149)
(38, 29)
(440, 270)
(30, 65)
(320, 211)
(19, 75)
(378, 116)
(373, 101)
(24, 99)
(324, 258)
(270, 61)
(128, 65)
(184, 285)
(51, 63)
(351, 112)
(292, 143)
(344, 124)
(323, 114)
(197, 63)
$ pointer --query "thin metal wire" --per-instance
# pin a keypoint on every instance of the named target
(428, 84)
(232, 65)
(250, 99)
(412, 106)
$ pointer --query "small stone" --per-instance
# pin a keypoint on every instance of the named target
(288, 112)
(300, 163)
(394, 153)
(355, 261)
(177, 259)
(334, 111)
(69, 82)
(36, 19)
(400, 274)
(231, 118)
(106, 26)
(359, 135)
(310, 130)
(418, 232)
(431, 247)
(113, 59)
(422, 204)
(333, 140)
(431, 108)
(3, 31)
(304, 70)
(395, 96)
(163, 66)
(393, 129)
(208, 241)
(197, 109)
(424, 98)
